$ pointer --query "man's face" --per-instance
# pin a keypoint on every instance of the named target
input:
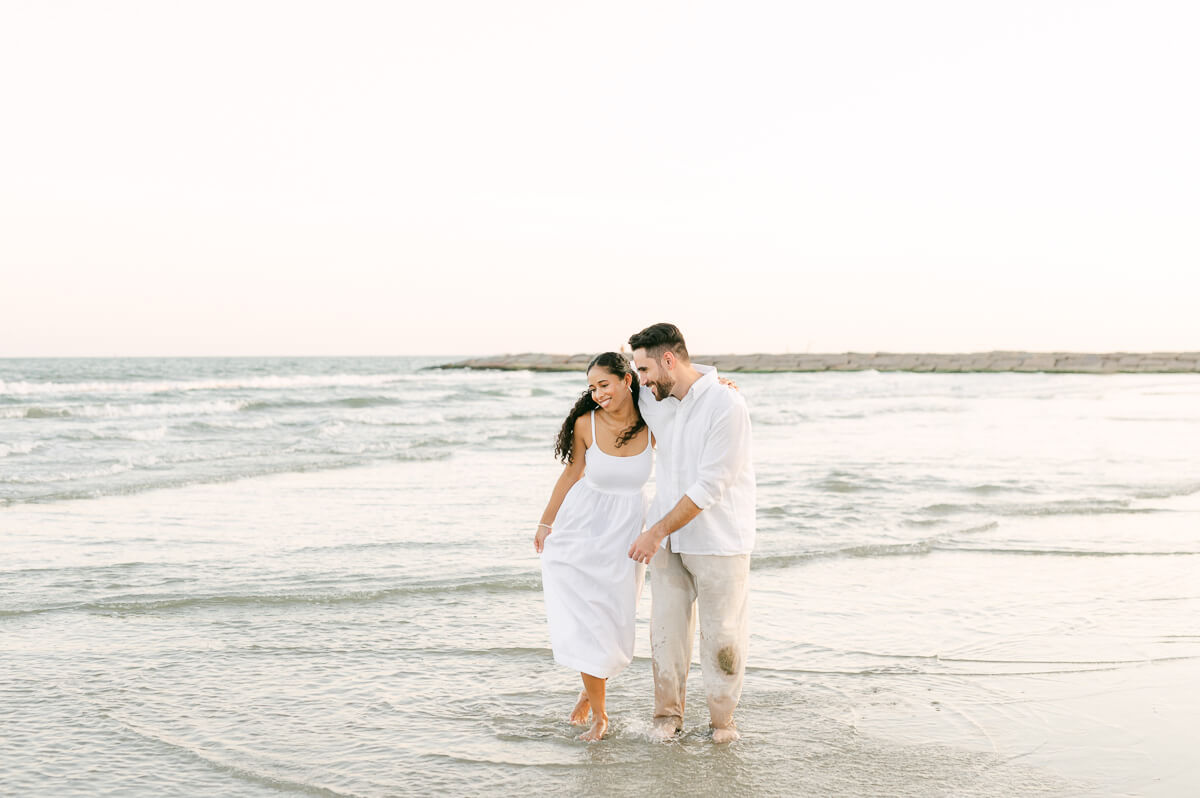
(655, 374)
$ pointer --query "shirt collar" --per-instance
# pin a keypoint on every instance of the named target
(708, 378)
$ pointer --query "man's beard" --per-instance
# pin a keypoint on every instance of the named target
(662, 388)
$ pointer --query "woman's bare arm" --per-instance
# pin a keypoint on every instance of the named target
(571, 474)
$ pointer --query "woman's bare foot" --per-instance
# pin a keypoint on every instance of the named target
(725, 735)
(579, 715)
(598, 730)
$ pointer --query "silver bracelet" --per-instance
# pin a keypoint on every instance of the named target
(545, 525)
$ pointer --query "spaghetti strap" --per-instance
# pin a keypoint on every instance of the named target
(594, 442)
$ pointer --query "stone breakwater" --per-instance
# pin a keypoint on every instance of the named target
(1051, 362)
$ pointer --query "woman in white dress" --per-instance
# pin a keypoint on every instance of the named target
(597, 509)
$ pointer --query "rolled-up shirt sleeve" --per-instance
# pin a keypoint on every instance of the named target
(725, 452)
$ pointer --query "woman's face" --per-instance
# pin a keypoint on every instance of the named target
(608, 390)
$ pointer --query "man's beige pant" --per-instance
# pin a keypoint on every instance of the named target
(717, 586)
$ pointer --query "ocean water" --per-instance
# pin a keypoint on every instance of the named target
(315, 576)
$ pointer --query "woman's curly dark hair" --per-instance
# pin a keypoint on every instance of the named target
(617, 365)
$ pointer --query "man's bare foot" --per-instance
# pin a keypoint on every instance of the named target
(725, 735)
(579, 715)
(664, 729)
(598, 730)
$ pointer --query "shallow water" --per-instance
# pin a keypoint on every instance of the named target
(316, 576)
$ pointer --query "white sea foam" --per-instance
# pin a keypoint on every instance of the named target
(18, 447)
(150, 434)
(234, 423)
(139, 410)
(26, 388)
(16, 412)
(71, 475)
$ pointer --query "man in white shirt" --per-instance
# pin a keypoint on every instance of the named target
(699, 545)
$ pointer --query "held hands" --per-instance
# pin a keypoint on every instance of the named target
(647, 544)
(539, 540)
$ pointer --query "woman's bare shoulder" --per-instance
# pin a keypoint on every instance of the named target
(583, 428)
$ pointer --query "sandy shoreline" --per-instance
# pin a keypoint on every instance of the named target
(999, 361)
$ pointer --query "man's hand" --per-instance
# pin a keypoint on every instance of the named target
(647, 543)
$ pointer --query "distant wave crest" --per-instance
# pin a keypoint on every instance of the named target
(24, 388)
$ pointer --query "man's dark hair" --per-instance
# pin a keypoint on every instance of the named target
(659, 338)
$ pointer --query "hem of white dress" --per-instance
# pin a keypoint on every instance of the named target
(579, 665)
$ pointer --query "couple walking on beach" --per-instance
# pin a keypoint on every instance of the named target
(595, 543)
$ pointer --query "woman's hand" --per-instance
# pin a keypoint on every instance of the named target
(647, 544)
(539, 540)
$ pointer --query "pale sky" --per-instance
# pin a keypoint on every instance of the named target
(242, 178)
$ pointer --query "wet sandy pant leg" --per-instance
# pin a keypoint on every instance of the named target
(721, 585)
(672, 628)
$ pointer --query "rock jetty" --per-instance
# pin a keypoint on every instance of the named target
(1049, 362)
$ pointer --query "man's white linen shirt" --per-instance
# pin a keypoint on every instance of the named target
(704, 453)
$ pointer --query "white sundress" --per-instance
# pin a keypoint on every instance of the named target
(591, 586)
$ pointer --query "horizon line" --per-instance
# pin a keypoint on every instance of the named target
(521, 353)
